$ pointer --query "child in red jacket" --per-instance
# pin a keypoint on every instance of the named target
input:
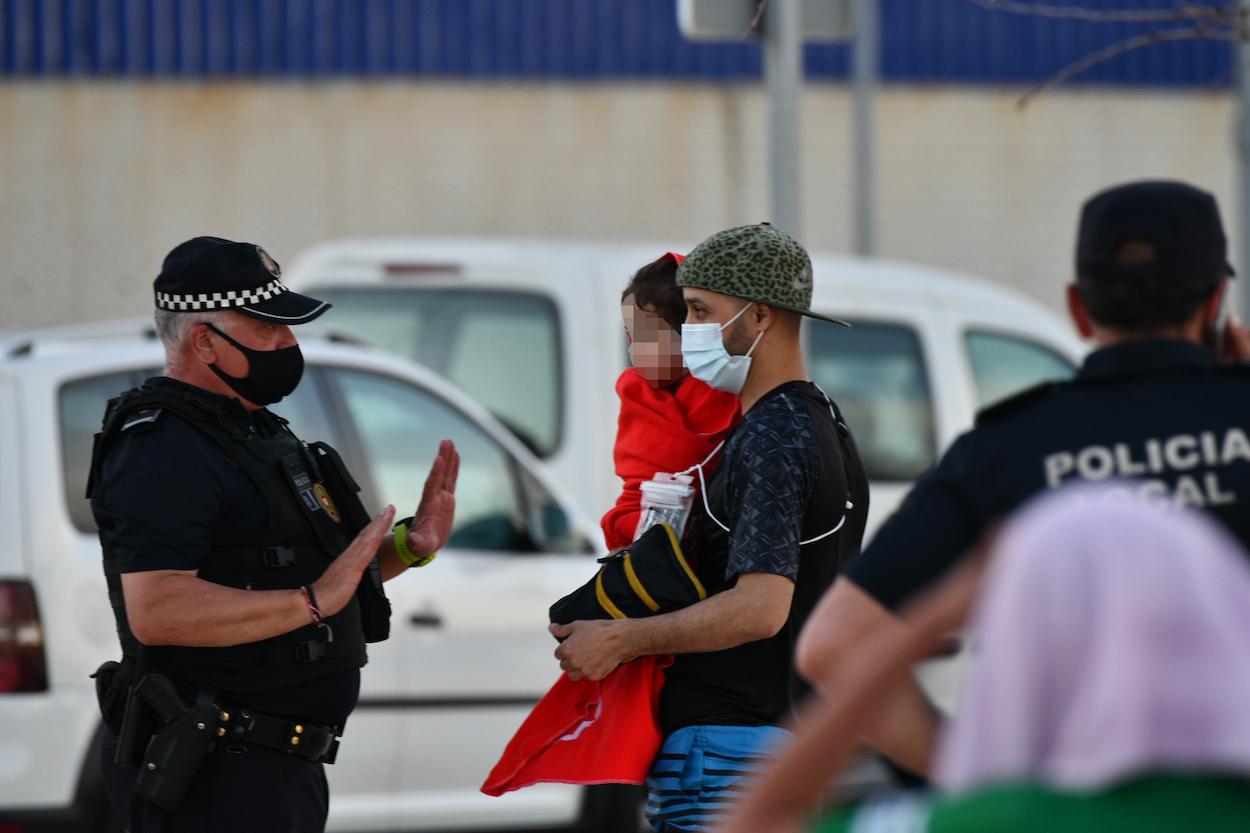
(587, 732)
(669, 420)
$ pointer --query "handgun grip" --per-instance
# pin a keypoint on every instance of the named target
(159, 692)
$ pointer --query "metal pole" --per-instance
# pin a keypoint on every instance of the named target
(867, 73)
(783, 74)
(1243, 168)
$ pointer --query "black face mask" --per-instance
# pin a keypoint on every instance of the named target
(272, 374)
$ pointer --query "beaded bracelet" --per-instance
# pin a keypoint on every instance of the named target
(310, 596)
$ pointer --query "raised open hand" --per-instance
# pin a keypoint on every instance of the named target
(432, 522)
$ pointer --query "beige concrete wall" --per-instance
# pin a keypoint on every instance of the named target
(100, 180)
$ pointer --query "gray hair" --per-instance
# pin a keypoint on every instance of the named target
(172, 327)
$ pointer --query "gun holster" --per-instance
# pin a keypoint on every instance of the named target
(112, 684)
(183, 737)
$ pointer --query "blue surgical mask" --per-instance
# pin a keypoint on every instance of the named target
(703, 348)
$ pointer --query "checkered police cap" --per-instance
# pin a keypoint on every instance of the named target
(211, 273)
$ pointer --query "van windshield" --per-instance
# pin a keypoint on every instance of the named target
(501, 348)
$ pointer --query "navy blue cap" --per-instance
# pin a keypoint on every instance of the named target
(1154, 229)
(212, 273)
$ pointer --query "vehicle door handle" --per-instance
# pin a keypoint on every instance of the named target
(426, 619)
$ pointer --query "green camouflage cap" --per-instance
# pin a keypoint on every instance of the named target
(756, 263)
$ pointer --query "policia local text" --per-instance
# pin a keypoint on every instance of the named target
(1179, 453)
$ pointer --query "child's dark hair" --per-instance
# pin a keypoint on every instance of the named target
(655, 289)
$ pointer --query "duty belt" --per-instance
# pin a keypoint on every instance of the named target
(311, 742)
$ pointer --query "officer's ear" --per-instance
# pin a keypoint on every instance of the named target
(200, 342)
(1079, 312)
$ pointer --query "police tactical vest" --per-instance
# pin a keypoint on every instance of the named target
(314, 513)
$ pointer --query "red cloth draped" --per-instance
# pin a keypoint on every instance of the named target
(585, 732)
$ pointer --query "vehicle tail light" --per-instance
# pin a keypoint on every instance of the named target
(22, 663)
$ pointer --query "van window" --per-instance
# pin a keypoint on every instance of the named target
(1003, 364)
(81, 406)
(307, 410)
(399, 427)
(502, 348)
(876, 374)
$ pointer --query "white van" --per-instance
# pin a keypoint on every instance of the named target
(532, 330)
(469, 652)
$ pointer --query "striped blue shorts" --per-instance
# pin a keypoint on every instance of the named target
(696, 775)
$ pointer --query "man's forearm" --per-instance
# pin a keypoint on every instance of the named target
(905, 728)
(181, 609)
(756, 608)
(389, 560)
(826, 738)
(847, 619)
(176, 607)
(905, 725)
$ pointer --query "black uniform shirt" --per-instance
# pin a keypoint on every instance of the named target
(782, 478)
(1160, 414)
(167, 497)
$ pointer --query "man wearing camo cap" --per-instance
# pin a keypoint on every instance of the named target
(784, 508)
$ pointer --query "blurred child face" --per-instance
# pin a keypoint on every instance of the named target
(654, 346)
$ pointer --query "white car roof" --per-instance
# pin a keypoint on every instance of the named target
(844, 285)
(373, 261)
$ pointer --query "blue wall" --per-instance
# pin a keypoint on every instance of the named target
(923, 40)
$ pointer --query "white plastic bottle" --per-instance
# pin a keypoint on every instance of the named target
(666, 497)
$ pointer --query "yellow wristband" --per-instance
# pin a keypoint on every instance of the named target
(406, 555)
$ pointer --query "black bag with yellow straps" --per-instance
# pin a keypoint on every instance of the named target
(649, 576)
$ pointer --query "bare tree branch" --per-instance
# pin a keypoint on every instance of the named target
(759, 15)
(1124, 46)
(1230, 14)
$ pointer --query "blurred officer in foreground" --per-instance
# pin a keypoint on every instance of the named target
(1162, 400)
(1070, 720)
(244, 573)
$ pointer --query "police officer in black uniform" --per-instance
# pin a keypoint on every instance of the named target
(1162, 405)
(244, 574)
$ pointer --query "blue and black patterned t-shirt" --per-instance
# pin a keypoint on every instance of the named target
(784, 477)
